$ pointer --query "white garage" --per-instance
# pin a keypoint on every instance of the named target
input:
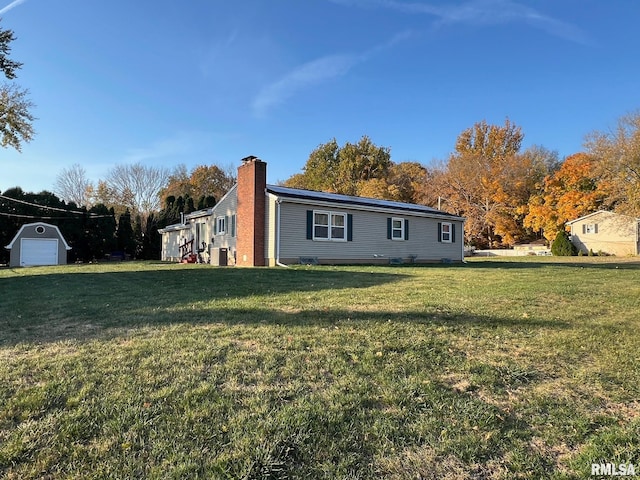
(38, 244)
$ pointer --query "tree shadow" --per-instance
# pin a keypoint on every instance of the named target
(605, 263)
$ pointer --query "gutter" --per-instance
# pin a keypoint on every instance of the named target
(278, 262)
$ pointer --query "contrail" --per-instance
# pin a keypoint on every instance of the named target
(13, 4)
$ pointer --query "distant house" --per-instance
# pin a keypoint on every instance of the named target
(256, 224)
(606, 232)
(38, 244)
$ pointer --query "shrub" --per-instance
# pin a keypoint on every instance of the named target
(562, 246)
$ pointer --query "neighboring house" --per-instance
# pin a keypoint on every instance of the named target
(38, 244)
(256, 224)
(606, 232)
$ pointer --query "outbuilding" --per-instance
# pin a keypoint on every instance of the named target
(38, 244)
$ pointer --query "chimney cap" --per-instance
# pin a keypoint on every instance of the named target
(250, 158)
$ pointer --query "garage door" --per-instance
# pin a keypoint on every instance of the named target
(39, 251)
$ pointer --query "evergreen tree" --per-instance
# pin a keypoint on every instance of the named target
(562, 246)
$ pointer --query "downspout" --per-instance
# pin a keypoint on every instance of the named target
(462, 235)
(278, 262)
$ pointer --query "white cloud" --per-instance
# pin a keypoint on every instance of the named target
(13, 4)
(314, 72)
(480, 13)
(301, 77)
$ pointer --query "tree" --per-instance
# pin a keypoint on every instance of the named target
(137, 187)
(203, 183)
(484, 180)
(570, 192)
(562, 246)
(15, 118)
(72, 185)
(353, 169)
(617, 160)
(125, 239)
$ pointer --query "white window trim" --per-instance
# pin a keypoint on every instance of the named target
(590, 229)
(401, 229)
(330, 216)
(449, 233)
(221, 225)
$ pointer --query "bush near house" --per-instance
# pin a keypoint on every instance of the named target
(562, 246)
(497, 369)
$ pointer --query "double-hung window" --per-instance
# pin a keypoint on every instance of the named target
(446, 233)
(221, 225)
(397, 229)
(329, 226)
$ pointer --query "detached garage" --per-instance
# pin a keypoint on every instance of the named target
(38, 244)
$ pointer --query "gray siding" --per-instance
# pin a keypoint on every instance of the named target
(370, 242)
(228, 207)
(29, 231)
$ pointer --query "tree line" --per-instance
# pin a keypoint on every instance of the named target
(508, 195)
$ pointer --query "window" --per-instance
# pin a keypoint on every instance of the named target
(40, 229)
(446, 232)
(329, 226)
(591, 228)
(397, 229)
(221, 225)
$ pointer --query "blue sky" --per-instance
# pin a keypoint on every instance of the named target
(204, 81)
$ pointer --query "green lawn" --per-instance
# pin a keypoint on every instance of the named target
(511, 368)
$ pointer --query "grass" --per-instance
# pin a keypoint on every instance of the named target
(511, 368)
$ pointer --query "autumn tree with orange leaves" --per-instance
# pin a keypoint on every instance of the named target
(571, 192)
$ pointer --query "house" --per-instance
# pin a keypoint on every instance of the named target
(38, 244)
(606, 232)
(256, 224)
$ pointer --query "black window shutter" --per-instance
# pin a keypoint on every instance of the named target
(439, 231)
(584, 228)
(595, 228)
(309, 224)
(389, 228)
(233, 225)
(406, 229)
(349, 228)
(215, 226)
(226, 224)
(453, 233)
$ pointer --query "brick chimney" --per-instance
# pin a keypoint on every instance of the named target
(252, 182)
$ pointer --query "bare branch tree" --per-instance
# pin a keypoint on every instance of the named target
(138, 187)
(72, 185)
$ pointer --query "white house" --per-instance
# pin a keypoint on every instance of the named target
(256, 224)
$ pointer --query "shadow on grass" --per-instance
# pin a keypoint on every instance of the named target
(81, 328)
(608, 263)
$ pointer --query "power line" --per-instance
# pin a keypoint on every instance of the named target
(16, 215)
(45, 207)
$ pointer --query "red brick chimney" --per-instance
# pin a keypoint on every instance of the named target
(252, 182)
